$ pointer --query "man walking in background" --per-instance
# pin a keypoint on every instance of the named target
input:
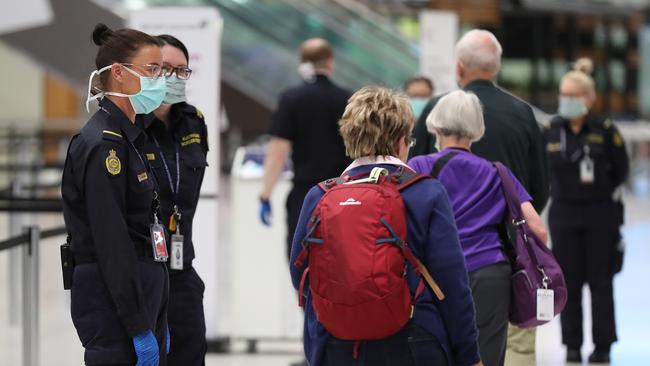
(306, 124)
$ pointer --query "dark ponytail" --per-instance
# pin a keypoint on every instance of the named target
(117, 46)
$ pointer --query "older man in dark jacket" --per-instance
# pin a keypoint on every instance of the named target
(512, 135)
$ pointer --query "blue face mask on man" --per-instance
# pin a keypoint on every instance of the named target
(572, 107)
(151, 94)
(418, 104)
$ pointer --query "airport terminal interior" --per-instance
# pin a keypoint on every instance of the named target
(243, 54)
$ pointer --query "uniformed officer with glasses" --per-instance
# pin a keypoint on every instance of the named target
(119, 289)
(176, 151)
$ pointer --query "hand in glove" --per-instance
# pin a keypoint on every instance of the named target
(146, 349)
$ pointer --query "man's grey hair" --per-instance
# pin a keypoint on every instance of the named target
(458, 114)
(480, 50)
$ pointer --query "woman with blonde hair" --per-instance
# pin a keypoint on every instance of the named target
(376, 128)
(588, 161)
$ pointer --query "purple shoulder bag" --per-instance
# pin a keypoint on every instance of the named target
(533, 265)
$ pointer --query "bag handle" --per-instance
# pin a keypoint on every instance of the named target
(512, 199)
(510, 193)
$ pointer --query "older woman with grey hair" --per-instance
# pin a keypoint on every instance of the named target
(479, 206)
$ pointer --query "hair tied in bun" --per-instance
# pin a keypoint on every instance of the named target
(584, 65)
(101, 33)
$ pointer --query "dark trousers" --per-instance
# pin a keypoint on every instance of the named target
(100, 329)
(491, 292)
(186, 319)
(585, 251)
(294, 205)
(412, 346)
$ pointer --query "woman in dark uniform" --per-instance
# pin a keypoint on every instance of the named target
(120, 281)
(177, 151)
(588, 161)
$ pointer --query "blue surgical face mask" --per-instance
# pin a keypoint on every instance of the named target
(418, 104)
(151, 94)
(175, 90)
(572, 107)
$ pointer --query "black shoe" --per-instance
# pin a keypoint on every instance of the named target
(573, 355)
(599, 357)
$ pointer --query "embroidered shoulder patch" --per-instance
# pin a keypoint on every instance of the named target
(618, 140)
(193, 138)
(553, 147)
(113, 163)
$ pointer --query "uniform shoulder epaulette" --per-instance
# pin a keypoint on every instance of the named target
(191, 110)
(112, 135)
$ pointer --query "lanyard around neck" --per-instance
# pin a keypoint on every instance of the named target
(174, 187)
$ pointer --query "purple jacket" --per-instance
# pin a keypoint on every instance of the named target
(477, 199)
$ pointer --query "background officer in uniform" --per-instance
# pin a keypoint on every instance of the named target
(512, 136)
(177, 151)
(306, 124)
(119, 291)
(419, 90)
(588, 161)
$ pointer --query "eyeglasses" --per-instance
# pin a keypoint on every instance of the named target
(182, 73)
(410, 141)
(151, 70)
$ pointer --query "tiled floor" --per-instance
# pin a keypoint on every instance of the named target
(60, 346)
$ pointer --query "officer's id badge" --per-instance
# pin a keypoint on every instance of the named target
(587, 170)
(159, 243)
(113, 164)
(176, 261)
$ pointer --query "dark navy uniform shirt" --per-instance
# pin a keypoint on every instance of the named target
(187, 134)
(308, 116)
(566, 150)
(107, 205)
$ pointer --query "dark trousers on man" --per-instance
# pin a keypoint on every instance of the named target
(294, 205)
(584, 247)
(186, 319)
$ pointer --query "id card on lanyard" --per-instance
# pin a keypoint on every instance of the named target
(176, 261)
(156, 230)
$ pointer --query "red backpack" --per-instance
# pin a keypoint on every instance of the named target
(357, 253)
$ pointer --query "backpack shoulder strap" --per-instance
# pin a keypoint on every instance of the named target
(328, 184)
(440, 163)
(406, 177)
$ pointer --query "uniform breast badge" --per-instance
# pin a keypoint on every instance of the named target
(113, 164)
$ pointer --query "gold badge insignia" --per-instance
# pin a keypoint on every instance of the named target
(113, 164)
(142, 177)
(151, 156)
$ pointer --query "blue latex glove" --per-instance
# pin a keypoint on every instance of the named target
(168, 340)
(265, 212)
(146, 349)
